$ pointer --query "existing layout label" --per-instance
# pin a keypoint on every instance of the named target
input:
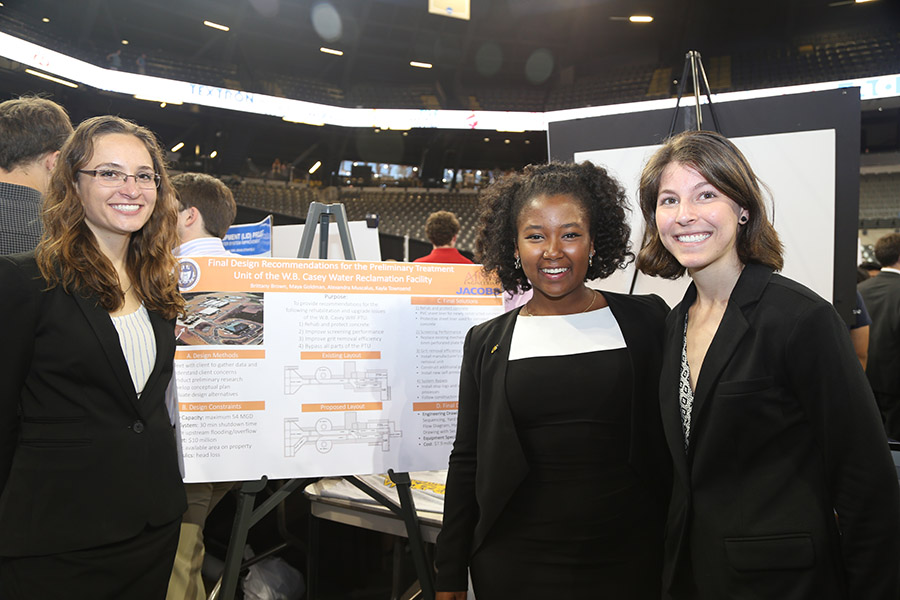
(303, 368)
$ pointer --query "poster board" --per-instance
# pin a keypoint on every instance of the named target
(286, 241)
(804, 147)
(304, 368)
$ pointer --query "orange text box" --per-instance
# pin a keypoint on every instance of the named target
(200, 353)
(342, 407)
(457, 301)
(219, 406)
(339, 355)
(427, 406)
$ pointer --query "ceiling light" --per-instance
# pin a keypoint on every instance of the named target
(331, 51)
(177, 146)
(640, 19)
(315, 167)
(45, 20)
(861, 1)
(162, 104)
(124, 42)
(216, 26)
(51, 78)
(214, 154)
(421, 65)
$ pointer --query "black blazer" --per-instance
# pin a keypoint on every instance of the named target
(487, 462)
(784, 432)
(83, 461)
(882, 297)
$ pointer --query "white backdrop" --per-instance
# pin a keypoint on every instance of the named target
(798, 169)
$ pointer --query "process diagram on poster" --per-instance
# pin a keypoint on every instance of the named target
(304, 368)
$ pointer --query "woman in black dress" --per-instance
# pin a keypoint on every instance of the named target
(558, 475)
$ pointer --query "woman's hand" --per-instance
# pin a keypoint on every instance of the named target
(450, 596)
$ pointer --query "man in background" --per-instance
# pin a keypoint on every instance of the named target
(206, 211)
(442, 229)
(32, 130)
(882, 299)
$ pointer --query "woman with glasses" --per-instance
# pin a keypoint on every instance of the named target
(90, 493)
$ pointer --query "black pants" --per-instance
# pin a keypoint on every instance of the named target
(133, 569)
(889, 405)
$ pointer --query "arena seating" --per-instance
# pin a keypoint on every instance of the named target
(879, 196)
(804, 59)
(401, 212)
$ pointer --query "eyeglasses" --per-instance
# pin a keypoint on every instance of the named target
(115, 178)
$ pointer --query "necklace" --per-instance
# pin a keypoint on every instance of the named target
(528, 312)
(128, 289)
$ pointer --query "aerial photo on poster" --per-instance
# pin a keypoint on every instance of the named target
(220, 318)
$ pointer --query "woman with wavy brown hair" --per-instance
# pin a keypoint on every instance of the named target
(90, 493)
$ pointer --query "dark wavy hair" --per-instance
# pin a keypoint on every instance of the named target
(720, 162)
(599, 194)
(68, 253)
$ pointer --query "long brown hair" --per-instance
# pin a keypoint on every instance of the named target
(720, 162)
(68, 254)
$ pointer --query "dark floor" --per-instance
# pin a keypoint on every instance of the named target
(354, 563)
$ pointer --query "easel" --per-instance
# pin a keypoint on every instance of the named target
(246, 515)
(693, 65)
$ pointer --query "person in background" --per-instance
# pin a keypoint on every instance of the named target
(141, 63)
(114, 60)
(206, 210)
(859, 330)
(32, 130)
(784, 486)
(559, 476)
(881, 294)
(91, 496)
(872, 268)
(442, 230)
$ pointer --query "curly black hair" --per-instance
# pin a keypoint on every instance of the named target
(600, 195)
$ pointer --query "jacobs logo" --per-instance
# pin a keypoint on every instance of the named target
(477, 291)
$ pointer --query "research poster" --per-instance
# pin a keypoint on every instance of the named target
(305, 368)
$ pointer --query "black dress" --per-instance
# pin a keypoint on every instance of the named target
(577, 526)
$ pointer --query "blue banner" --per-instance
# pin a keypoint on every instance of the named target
(250, 239)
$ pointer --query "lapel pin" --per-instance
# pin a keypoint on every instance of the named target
(494, 349)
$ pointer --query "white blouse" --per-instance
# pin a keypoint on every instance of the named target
(564, 335)
(138, 345)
